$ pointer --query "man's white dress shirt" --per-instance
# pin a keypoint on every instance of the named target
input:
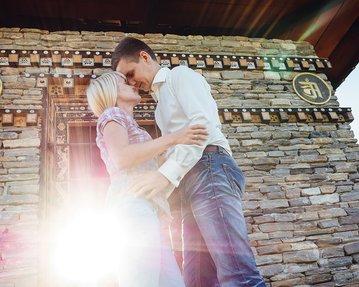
(184, 98)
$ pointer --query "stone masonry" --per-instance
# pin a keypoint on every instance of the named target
(302, 179)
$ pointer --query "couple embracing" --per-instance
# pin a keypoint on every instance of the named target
(197, 161)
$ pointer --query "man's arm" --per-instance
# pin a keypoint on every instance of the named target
(194, 97)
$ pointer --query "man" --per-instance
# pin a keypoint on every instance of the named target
(215, 240)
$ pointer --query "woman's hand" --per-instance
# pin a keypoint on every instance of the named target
(195, 134)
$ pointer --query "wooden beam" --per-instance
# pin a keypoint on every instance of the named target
(345, 56)
(339, 25)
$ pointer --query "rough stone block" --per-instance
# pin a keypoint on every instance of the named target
(288, 46)
(250, 205)
(53, 37)
(263, 219)
(328, 223)
(350, 196)
(319, 278)
(352, 248)
(279, 217)
(349, 220)
(249, 143)
(271, 270)
(303, 245)
(289, 282)
(300, 268)
(276, 88)
(327, 189)
(269, 75)
(253, 75)
(274, 203)
(324, 199)
(21, 143)
(269, 188)
(346, 167)
(277, 248)
(8, 135)
(17, 163)
(332, 213)
(305, 216)
(26, 170)
(271, 227)
(338, 176)
(232, 75)
(282, 235)
(335, 262)
(20, 189)
(286, 276)
(299, 201)
(266, 161)
(258, 236)
(341, 278)
(269, 259)
(331, 252)
(301, 256)
(310, 191)
(19, 199)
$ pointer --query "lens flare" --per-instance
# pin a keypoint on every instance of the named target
(86, 249)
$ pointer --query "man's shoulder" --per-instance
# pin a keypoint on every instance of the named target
(181, 69)
(182, 73)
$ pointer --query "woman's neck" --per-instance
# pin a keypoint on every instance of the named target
(127, 108)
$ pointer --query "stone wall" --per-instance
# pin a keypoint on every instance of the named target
(302, 198)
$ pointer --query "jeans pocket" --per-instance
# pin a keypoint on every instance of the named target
(235, 178)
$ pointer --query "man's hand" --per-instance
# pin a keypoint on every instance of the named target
(149, 184)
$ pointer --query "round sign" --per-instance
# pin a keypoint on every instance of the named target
(311, 88)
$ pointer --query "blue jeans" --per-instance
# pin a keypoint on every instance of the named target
(215, 240)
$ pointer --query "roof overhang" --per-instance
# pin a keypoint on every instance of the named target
(331, 26)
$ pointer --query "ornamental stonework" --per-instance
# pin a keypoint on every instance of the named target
(311, 88)
(201, 61)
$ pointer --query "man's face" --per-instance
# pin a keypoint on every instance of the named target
(127, 93)
(140, 75)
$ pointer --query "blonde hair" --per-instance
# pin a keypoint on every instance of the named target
(102, 92)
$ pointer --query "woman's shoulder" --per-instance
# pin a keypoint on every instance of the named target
(116, 114)
(113, 112)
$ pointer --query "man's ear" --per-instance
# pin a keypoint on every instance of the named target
(145, 56)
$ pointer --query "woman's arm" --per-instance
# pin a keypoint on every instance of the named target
(127, 155)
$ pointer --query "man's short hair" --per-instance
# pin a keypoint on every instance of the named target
(130, 48)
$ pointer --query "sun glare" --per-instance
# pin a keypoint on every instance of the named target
(87, 248)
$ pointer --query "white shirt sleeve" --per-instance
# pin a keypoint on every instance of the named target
(194, 97)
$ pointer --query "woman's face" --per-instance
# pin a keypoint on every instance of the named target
(127, 93)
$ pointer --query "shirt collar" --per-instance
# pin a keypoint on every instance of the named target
(159, 78)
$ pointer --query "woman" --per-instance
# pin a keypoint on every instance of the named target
(145, 257)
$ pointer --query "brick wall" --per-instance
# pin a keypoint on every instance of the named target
(302, 198)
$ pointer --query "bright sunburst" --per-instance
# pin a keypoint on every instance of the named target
(87, 248)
